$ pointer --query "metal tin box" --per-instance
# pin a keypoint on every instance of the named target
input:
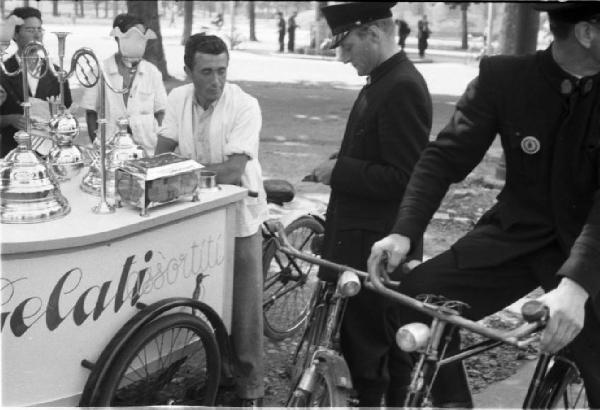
(148, 182)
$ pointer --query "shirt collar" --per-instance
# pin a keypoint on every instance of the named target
(383, 68)
(211, 106)
(560, 80)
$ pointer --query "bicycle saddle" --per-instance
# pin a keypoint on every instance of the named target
(279, 191)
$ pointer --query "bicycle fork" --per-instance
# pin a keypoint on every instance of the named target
(326, 346)
(427, 367)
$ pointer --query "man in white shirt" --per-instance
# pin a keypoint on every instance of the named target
(218, 124)
(143, 104)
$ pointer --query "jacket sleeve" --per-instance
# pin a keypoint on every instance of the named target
(403, 124)
(170, 125)
(584, 258)
(459, 147)
(245, 134)
(68, 96)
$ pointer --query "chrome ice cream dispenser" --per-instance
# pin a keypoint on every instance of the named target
(120, 148)
(28, 192)
(150, 182)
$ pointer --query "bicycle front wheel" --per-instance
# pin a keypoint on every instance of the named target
(174, 360)
(561, 388)
(289, 282)
(325, 392)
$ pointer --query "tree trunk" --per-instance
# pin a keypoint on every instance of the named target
(252, 21)
(97, 6)
(2, 8)
(320, 29)
(55, 12)
(520, 25)
(465, 27)
(115, 8)
(148, 11)
(188, 19)
(105, 8)
(81, 9)
(25, 3)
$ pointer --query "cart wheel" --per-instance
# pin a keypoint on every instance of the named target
(173, 360)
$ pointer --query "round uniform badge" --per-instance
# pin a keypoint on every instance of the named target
(530, 145)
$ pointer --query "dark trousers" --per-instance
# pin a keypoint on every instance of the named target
(402, 42)
(374, 363)
(422, 46)
(488, 290)
(281, 40)
(291, 40)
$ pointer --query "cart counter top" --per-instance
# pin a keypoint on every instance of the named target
(83, 227)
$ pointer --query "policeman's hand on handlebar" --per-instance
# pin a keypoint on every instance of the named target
(388, 253)
(566, 304)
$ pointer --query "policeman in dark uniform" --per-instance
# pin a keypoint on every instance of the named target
(387, 129)
(545, 228)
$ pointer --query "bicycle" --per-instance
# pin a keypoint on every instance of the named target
(555, 380)
(288, 283)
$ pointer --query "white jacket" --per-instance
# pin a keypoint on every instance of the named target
(234, 129)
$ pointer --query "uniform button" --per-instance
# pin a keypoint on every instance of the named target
(566, 87)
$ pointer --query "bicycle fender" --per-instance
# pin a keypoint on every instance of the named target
(288, 217)
(336, 366)
(133, 325)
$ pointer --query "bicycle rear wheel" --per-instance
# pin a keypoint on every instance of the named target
(174, 360)
(288, 283)
(325, 393)
(561, 388)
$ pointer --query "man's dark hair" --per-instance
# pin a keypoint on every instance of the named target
(202, 43)
(25, 13)
(126, 21)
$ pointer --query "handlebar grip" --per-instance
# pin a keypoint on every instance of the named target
(253, 194)
(535, 311)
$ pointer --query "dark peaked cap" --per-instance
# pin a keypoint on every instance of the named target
(570, 11)
(343, 17)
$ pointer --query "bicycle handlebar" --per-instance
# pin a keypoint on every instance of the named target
(375, 283)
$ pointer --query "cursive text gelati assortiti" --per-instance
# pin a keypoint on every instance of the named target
(68, 297)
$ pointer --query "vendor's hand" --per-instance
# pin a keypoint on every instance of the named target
(391, 251)
(566, 307)
(322, 172)
(16, 120)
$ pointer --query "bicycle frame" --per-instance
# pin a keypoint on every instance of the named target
(269, 239)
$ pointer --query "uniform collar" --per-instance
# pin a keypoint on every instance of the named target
(562, 81)
(383, 68)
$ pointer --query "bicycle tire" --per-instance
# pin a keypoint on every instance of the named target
(561, 387)
(288, 284)
(326, 393)
(194, 375)
(309, 342)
